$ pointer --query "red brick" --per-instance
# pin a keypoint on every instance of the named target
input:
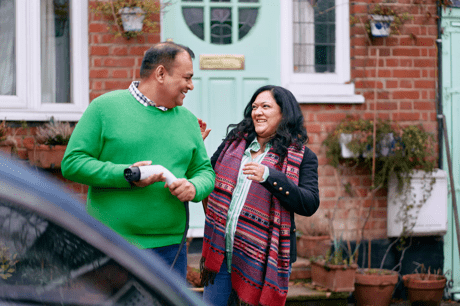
(406, 94)
(426, 62)
(424, 84)
(99, 50)
(98, 73)
(392, 62)
(97, 28)
(120, 51)
(407, 73)
(405, 83)
(406, 116)
(391, 84)
(118, 62)
(404, 105)
(424, 105)
(119, 74)
(406, 52)
(112, 85)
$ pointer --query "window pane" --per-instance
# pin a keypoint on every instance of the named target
(314, 36)
(194, 19)
(325, 36)
(55, 51)
(247, 19)
(7, 48)
(221, 26)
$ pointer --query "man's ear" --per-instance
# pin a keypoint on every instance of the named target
(160, 73)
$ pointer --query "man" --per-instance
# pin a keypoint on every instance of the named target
(144, 125)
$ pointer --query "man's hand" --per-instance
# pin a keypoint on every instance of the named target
(204, 131)
(182, 189)
(151, 179)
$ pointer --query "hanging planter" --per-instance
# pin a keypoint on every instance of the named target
(132, 18)
(128, 18)
(381, 25)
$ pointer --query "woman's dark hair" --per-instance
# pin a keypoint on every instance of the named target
(291, 129)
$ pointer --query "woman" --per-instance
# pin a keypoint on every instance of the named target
(264, 174)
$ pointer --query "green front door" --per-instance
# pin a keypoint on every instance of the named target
(451, 108)
(237, 48)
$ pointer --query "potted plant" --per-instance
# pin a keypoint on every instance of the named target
(384, 20)
(425, 288)
(128, 18)
(4, 145)
(52, 139)
(334, 272)
(313, 237)
(374, 286)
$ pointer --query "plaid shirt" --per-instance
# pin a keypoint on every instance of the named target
(141, 98)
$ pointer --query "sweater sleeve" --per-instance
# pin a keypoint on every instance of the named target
(302, 199)
(200, 172)
(81, 164)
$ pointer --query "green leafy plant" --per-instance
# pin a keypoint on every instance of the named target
(54, 133)
(407, 148)
(109, 9)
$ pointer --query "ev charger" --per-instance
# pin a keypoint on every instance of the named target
(134, 174)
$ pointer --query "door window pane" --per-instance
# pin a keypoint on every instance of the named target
(247, 19)
(221, 26)
(194, 19)
(314, 36)
(7, 48)
(55, 51)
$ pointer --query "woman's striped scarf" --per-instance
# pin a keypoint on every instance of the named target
(260, 262)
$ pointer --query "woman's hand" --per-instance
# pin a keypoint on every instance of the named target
(204, 131)
(254, 170)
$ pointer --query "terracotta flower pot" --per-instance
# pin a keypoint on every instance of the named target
(47, 157)
(313, 246)
(5, 149)
(427, 291)
(336, 278)
(374, 286)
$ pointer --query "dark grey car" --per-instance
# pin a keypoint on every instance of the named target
(53, 253)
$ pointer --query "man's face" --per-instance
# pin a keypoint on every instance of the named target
(178, 81)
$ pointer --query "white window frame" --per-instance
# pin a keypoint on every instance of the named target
(319, 87)
(26, 104)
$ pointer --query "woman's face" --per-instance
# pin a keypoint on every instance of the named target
(266, 114)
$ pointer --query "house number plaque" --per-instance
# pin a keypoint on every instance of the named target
(221, 62)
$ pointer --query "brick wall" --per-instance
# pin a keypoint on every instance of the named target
(114, 62)
(402, 88)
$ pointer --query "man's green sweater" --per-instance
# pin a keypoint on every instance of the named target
(116, 131)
